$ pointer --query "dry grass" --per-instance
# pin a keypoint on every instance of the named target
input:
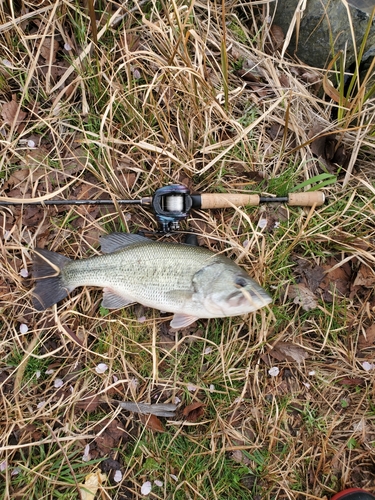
(160, 100)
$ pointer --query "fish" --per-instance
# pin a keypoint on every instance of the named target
(189, 281)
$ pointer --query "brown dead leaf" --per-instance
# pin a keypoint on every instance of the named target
(277, 36)
(247, 75)
(32, 215)
(365, 277)
(28, 433)
(352, 381)
(166, 340)
(5, 288)
(287, 351)
(327, 149)
(194, 411)
(311, 77)
(152, 422)
(239, 457)
(303, 296)
(128, 179)
(89, 403)
(313, 276)
(284, 80)
(330, 90)
(37, 156)
(10, 112)
(16, 178)
(336, 281)
(47, 47)
(367, 341)
(108, 439)
(275, 131)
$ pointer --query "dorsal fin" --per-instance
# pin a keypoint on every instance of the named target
(117, 241)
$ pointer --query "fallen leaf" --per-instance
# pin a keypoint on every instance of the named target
(326, 148)
(311, 77)
(336, 281)
(365, 277)
(276, 131)
(32, 215)
(277, 36)
(37, 157)
(194, 411)
(28, 433)
(109, 438)
(47, 47)
(239, 457)
(367, 341)
(16, 177)
(248, 75)
(303, 296)
(328, 87)
(71, 333)
(109, 465)
(312, 275)
(152, 422)
(287, 351)
(352, 381)
(10, 113)
(91, 485)
(89, 403)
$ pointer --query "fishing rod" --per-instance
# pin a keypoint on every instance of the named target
(171, 204)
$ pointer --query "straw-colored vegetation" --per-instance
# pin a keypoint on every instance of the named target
(193, 93)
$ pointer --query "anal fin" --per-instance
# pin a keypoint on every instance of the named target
(112, 300)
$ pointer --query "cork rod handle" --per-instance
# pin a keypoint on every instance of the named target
(226, 200)
(306, 199)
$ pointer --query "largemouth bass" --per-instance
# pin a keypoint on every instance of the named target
(189, 281)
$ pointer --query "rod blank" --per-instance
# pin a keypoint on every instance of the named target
(143, 201)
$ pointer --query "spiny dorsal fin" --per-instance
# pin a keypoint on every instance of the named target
(117, 241)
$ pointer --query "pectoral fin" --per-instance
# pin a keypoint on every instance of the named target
(182, 320)
(111, 300)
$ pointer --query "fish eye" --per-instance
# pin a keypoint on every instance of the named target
(240, 282)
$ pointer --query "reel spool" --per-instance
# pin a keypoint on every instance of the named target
(171, 204)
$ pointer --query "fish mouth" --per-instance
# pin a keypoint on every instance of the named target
(256, 297)
(248, 299)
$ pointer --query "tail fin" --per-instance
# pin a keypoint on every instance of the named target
(50, 287)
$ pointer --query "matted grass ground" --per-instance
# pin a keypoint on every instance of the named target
(192, 93)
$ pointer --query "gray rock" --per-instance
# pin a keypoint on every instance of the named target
(325, 30)
(363, 5)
